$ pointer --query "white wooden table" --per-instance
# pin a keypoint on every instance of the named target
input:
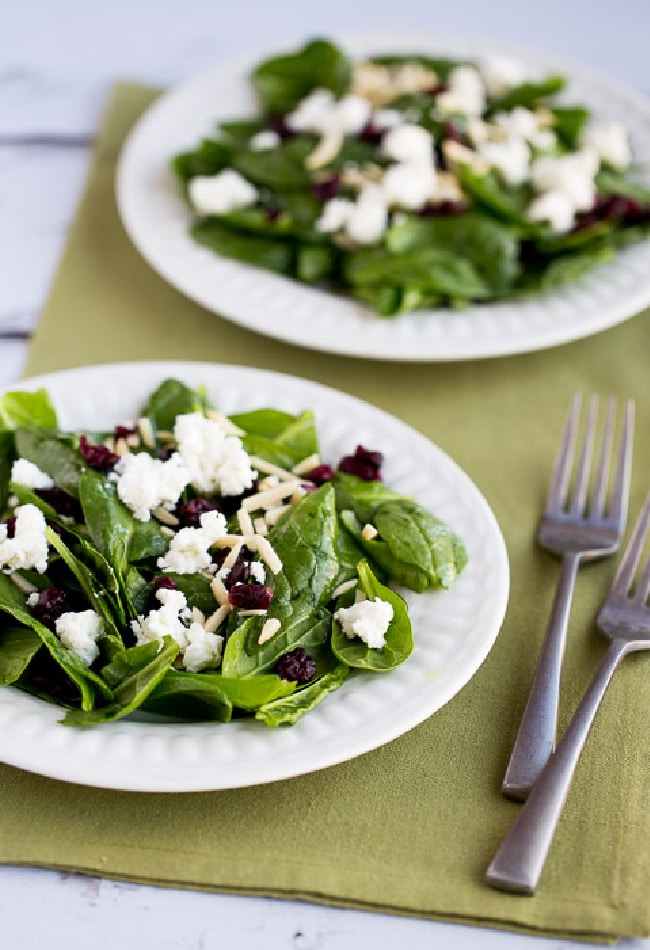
(57, 62)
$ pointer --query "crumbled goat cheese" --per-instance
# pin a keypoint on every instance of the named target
(257, 572)
(610, 142)
(189, 551)
(572, 174)
(145, 483)
(511, 159)
(409, 184)
(387, 118)
(335, 215)
(312, 113)
(369, 217)
(367, 619)
(203, 648)
(221, 193)
(264, 140)
(408, 143)
(164, 621)
(465, 92)
(28, 547)
(216, 462)
(321, 112)
(522, 123)
(501, 74)
(79, 632)
(25, 473)
(555, 207)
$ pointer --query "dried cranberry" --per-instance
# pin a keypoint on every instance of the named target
(328, 188)
(372, 134)
(296, 665)
(63, 503)
(250, 596)
(444, 208)
(97, 456)
(189, 512)
(365, 464)
(51, 603)
(45, 676)
(278, 124)
(321, 474)
(240, 572)
(452, 131)
(123, 432)
(164, 582)
(11, 526)
(272, 213)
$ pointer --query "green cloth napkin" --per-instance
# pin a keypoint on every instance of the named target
(409, 828)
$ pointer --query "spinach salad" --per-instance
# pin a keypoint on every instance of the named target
(198, 566)
(414, 181)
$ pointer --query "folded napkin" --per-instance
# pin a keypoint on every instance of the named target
(410, 827)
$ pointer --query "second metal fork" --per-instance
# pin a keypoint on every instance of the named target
(576, 531)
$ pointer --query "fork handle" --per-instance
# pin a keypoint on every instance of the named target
(536, 736)
(518, 864)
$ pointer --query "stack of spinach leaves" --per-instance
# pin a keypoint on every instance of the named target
(485, 251)
(104, 559)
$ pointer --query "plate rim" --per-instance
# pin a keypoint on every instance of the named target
(34, 715)
(413, 340)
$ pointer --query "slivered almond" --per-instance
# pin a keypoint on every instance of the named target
(146, 432)
(215, 620)
(307, 464)
(166, 517)
(269, 630)
(226, 424)
(270, 498)
(219, 592)
(266, 552)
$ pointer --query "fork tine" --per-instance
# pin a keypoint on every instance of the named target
(597, 505)
(627, 568)
(620, 490)
(562, 468)
(579, 493)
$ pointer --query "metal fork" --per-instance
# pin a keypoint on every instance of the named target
(625, 619)
(576, 531)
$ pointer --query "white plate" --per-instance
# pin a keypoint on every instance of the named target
(157, 221)
(454, 630)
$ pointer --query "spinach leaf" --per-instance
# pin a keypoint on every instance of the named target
(278, 437)
(282, 169)
(399, 636)
(269, 253)
(18, 409)
(52, 454)
(7, 458)
(173, 398)
(209, 696)
(288, 710)
(140, 679)
(209, 158)
(18, 646)
(568, 123)
(413, 547)
(610, 181)
(282, 81)
(528, 94)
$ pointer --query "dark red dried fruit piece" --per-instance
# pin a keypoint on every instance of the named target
(11, 526)
(123, 432)
(164, 582)
(240, 572)
(250, 596)
(365, 464)
(320, 474)
(296, 665)
(278, 124)
(97, 456)
(372, 134)
(63, 503)
(189, 512)
(445, 208)
(51, 603)
(328, 188)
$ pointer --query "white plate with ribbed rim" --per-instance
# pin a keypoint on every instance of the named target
(157, 221)
(454, 630)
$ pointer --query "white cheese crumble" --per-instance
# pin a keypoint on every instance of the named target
(188, 551)
(216, 462)
(25, 473)
(221, 193)
(200, 647)
(144, 483)
(28, 547)
(572, 174)
(610, 142)
(511, 159)
(501, 74)
(408, 143)
(266, 139)
(367, 619)
(525, 124)
(409, 184)
(555, 208)
(203, 648)
(79, 631)
(465, 92)
(369, 217)
(257, 572)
